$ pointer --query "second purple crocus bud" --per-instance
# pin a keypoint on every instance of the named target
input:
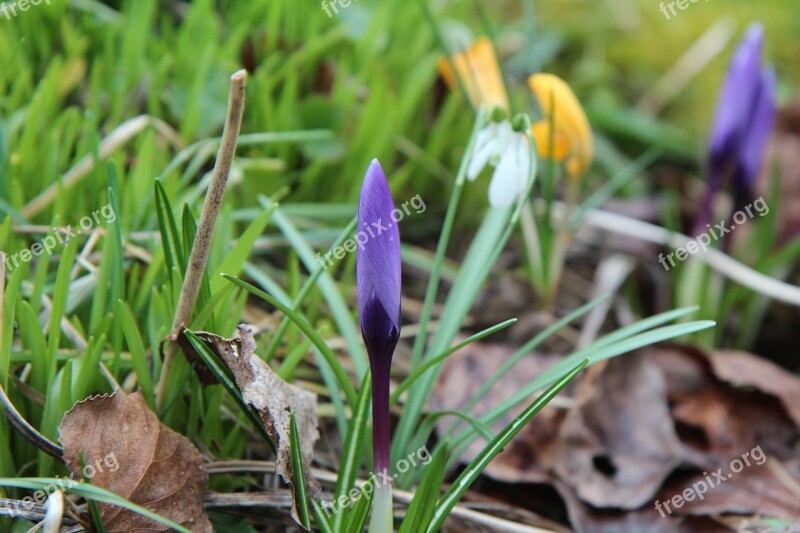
(742, 125)
(378, 281)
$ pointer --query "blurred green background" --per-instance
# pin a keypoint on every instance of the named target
(73, 71)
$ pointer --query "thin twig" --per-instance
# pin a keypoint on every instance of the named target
(719, 261)
(610, 274)
(32, 511)
(269, 500)
(120, 136)
(205, 228)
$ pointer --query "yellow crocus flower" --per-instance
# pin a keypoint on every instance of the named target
(478, 71)
(573, 136)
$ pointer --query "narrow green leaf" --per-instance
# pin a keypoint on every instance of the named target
(311, 333)
(526, 349)
(227, 381)
(299, 488)
(92, 492)
(170, 240)
(417, 372)
(411, 413)
(352, 446)
(136, 346)
(420, 511)
(474, 468)
(320, 519)
(189, 228)
(342, 314)
(235, 259)
(306, 290)
(357, 516)
(595, 355)
(94, 510)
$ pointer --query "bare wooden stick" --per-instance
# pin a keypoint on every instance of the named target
(205, 228)
(716, 259)
(283, 500)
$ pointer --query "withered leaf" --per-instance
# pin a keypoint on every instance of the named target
(131, 453)
(744, 369)
(756, 490)
(529, 454)
(273, 398)
(204, 374)
(619, 444)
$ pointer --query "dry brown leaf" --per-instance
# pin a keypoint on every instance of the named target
(273, 398)
(204, 374)
(753, 491)
(619, 444)
(746, 370)
(586, 519)
(527, 456)
(155, 467)
(725, 404)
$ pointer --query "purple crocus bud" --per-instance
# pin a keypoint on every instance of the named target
(742, 125)
(378, 266)
(757, 135)
(378, 280)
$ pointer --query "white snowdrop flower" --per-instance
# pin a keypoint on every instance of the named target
(508, 151)
(54, 512)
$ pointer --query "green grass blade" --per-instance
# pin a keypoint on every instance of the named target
(417, 372)
(474, 468)
(413, 409)
(525, 350)
(227, 381)
(353, 445)
(320, 519)
(311, 333)
(89, 492)
(170, 238)
(633, 343)
(357, 516)
(420, 511)
(342, 314)
(429, 423)
(235, 259)
(136, 347)
(299, 488)
(94, 510)
(305, 290)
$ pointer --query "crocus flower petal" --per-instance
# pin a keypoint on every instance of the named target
(541, 132)
(742, 124)
(378, 265)
(758, 133)
(559, 102)
(737, 97)
(479, 73)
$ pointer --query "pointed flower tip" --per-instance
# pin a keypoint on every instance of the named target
(476, 68)
(743, 123)
(755, 33)
(572, 139)
(378, 264)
